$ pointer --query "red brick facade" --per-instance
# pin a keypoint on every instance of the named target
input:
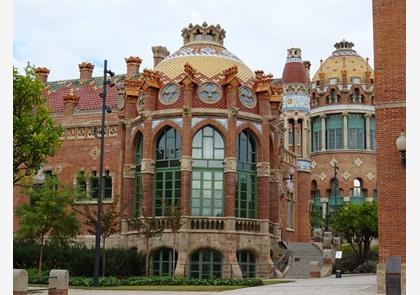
(390, 50)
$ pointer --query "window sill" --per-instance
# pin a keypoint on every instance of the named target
(92, 201)
(290, 229)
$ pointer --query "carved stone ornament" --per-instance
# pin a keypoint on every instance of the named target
(346, 175)
(129, 171)
(57, 170)
(322, 176)
(120, 102)
(233, 112)
(94, 153)
(148, 166)
(370, 176)
(276, 175)
(313, 164)
(71, 132)
(81, 132)
(186, 163)
(230, 164)
(113, 130)
(140, 102)
(247, 97)
(263, 169)
(209, 92)
(169, 93)
(333, 161)
(358, 162)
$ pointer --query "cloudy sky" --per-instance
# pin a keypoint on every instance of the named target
(62, 33)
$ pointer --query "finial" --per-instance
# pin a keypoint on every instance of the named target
(204, 24)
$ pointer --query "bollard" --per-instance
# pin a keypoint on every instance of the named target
(58, 282)
(20, 282)
(314, 269)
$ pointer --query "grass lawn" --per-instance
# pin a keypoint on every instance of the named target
(176, 288)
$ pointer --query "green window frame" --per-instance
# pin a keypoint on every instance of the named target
(137, 177)
(162, 262)
(246, 262)
(356, 131)
(107, 185)
(246, 176)
(372, 133)
(316, 134)
(334, 132)
(94, 184)
(206, 264)
(167, 182)
(207, 173)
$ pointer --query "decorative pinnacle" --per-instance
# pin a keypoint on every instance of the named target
(344, 45)
(203, 34)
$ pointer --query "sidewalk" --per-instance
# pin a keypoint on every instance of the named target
(347, 285)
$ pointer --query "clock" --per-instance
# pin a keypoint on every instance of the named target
(209, 92)
(169, 93)
(247, 97)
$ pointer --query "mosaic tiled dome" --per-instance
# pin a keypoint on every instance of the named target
(344, 57)
(203, 49)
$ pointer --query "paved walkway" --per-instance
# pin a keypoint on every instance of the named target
(347, 285)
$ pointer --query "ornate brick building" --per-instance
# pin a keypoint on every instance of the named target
(234, 148)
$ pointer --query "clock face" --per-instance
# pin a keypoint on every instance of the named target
(140, 102)
(169, 93)
(120, 102)
(247, 97)
(209, 92)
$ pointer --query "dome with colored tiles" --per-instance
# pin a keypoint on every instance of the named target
(344, 60)
(203, 49)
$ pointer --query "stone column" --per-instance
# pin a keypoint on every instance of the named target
(309, 145)
(304, 144)
(345, 130)
(367, 126)
(296, 135)
(263, 175)
(323, 134)
(286, 133)
(324, 207)
(147, 169)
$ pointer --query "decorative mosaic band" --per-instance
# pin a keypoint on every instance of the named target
(71, 133)
(303, 165)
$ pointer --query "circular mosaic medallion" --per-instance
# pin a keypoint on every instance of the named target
(247, 97)
(209, 92)
(120, 102)
(169, 93)
(140, 102)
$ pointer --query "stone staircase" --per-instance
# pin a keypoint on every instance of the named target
(301, 255)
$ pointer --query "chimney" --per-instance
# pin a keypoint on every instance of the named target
(159, 53)
(133, 65)
(307, 65)
(70, 102)
(86, 70)
(42, 74)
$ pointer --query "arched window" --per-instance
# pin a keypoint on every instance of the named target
(316, 205)
(167, 189)
(137, 176)
(356, 131)
(357, 192)
(246, 183)
(333, 97)
(335, 200)
(356, 97)
(162, 262)
(207, 176)
(246, 262)
(206, 264)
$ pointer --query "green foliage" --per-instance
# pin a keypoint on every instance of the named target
(358, 225)
(48, 216)
(163, 281)
(35, 136)
(78, 260)
(350, 263)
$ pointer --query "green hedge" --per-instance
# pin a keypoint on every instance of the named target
(78, 260)
(350, 261)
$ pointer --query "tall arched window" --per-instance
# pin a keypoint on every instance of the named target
(167, 190)
(137, 176)
(206, 264)
(246, 183)
(207, 176)
(246, 262)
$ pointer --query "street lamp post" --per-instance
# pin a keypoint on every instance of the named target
(335, 187)
(101, 171)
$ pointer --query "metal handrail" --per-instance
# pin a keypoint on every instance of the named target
(283, 261)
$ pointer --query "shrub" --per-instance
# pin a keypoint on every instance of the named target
(78, 260)
(350, 261)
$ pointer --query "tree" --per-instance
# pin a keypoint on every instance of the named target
(358, 224)
(109, 224)
(173, 221)
(48, 216)
(35, 136)
(148, 227)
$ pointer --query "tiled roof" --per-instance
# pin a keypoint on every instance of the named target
(88, 91)
(294, 72)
